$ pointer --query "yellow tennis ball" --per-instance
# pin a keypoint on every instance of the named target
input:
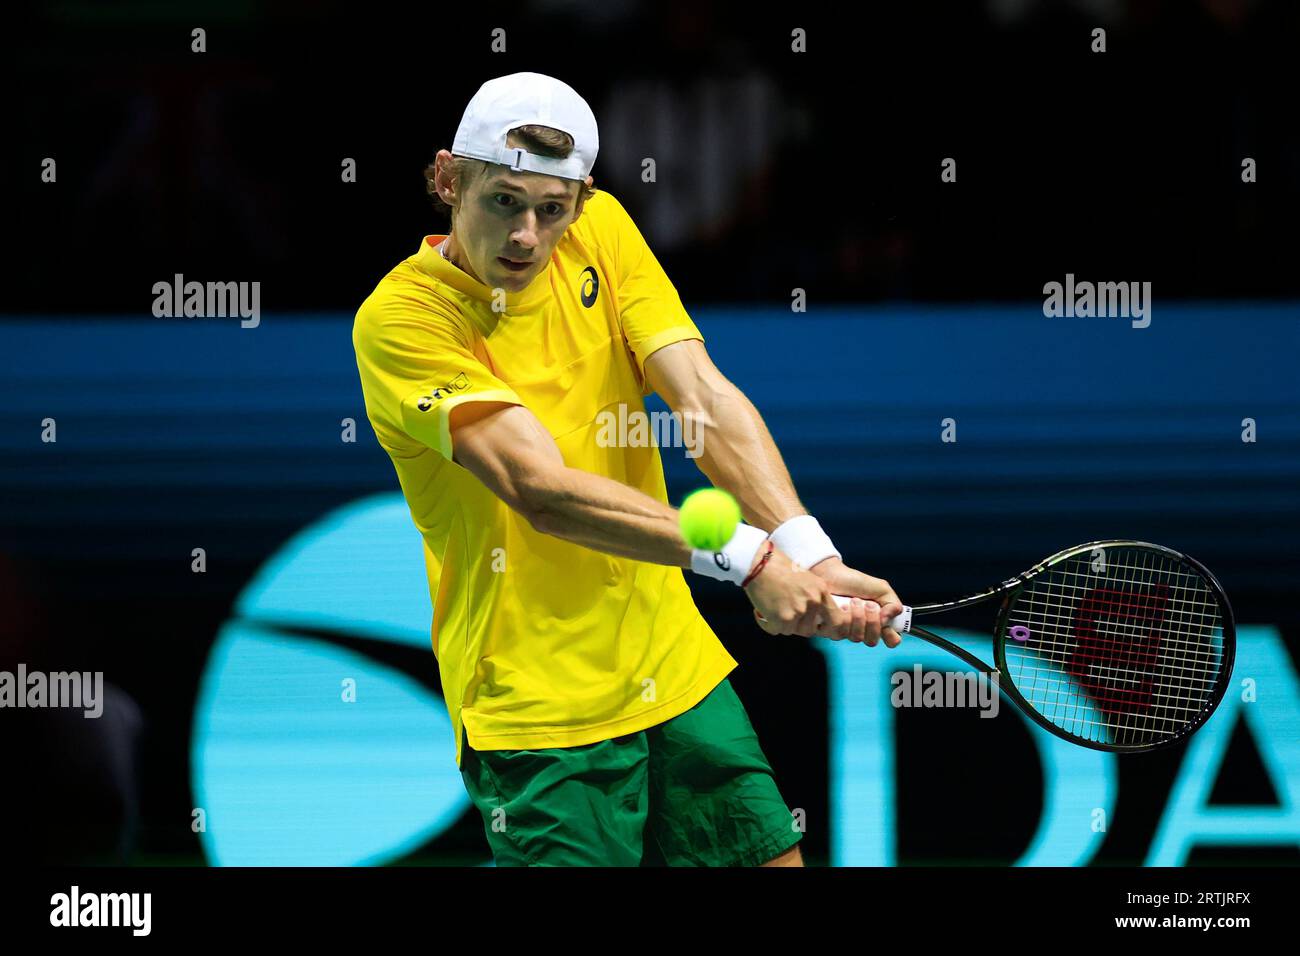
(709, 518)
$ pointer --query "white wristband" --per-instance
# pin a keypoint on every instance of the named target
(735, 559)
(804, 542)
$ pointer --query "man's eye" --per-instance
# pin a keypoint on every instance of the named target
(503, 199)
(553, 209)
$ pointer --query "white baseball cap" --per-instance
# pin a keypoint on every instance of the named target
(523, 99)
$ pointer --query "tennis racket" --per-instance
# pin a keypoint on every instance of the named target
(1114, 645)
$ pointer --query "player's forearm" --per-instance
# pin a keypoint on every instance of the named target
(739, 456)
(606, 515)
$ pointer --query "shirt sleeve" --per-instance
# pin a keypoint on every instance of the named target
(650, 309)
(416, 365)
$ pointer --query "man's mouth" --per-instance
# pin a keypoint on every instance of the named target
(514, 265)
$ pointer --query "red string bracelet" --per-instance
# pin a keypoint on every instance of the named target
(762, 563)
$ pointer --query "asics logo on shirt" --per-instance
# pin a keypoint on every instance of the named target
(590, 286)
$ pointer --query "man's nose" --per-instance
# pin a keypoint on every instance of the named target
(525, 233)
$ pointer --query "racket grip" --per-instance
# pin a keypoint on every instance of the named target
(902, 624)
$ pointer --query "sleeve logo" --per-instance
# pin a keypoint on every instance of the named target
(457, 384)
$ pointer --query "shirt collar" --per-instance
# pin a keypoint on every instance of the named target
(429, 260)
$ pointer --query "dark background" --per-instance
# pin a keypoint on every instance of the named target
(776, 171)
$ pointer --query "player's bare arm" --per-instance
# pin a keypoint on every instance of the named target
(510, 451)
(738, 454)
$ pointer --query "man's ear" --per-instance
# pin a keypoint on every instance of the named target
(448, 188)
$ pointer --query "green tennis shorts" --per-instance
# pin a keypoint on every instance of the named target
(697, 785)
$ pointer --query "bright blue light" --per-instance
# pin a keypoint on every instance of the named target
(359, 568)
(863, 778)
(1273, 720)
(287, 771)
(290, 774)
(1078, 782)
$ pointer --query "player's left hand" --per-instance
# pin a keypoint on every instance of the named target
(880, 603)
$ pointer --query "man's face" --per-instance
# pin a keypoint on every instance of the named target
(508, 223)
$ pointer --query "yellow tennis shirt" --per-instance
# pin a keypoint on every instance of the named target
(539, 642)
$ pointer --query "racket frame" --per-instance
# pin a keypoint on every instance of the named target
(1009, 590)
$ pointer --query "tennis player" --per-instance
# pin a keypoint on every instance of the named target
(588, 696)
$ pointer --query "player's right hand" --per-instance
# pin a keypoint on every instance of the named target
(790, 600)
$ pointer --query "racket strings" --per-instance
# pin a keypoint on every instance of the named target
(1122, 646)
(1064, 644)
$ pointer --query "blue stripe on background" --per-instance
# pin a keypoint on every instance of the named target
(165, 425)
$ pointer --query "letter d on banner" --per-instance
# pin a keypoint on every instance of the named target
(863, 786)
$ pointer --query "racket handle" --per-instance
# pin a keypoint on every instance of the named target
(902, 624)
